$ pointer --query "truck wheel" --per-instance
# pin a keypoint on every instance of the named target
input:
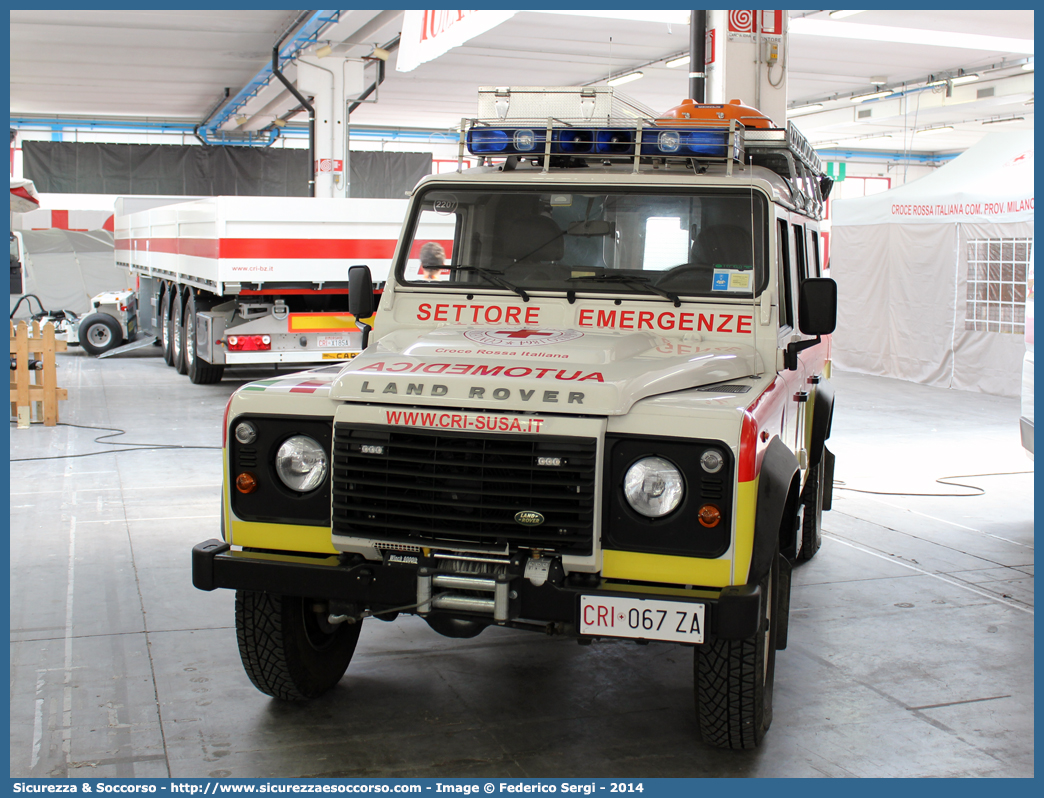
(164, 325)
(199, 371)
(812, 526)
(288, 650)
(99, 333)
(177, 333)
(733, 679)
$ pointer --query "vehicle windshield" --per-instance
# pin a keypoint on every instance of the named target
(696, 243)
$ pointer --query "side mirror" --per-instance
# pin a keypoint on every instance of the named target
(817, 315)
(360, 299)
(817, 306)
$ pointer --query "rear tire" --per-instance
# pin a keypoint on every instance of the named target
(812, 525)
(99, 333)
(199, 371)
(289, 651)
(177, 334)
(165, 310)
(733, 679)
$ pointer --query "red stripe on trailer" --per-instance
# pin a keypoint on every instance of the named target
(274, 248)
(291, 291)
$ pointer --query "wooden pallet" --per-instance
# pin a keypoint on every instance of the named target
(41, 391)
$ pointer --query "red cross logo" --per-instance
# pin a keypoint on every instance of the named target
(521, 333)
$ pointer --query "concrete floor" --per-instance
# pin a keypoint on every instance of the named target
(911, 639)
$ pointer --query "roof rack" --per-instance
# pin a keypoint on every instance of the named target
(563, 126)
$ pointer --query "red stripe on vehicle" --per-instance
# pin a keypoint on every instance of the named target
(766, 413)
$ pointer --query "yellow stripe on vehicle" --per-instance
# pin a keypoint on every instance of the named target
(746, 506)
(282, 537)
(666, 568)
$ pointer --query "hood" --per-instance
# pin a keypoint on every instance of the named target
(537, 369)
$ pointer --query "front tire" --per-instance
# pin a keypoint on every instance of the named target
(733, 679)
(99, 333)
(289, 651)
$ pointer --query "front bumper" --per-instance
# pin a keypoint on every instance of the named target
(732, 613)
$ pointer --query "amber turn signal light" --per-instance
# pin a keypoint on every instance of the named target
(709, 515)
(247, 483)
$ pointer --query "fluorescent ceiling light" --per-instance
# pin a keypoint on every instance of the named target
(625, 78)
(885, 33)
(960, 81)
(929, 130)
(1028, 66)
(804, 109)
(1003, 121)
(668, 17)
(825, 144)
(882, 137)
(876, 95)
(843, 14)
(677, 62)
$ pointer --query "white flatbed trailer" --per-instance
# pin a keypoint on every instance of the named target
(253, 280)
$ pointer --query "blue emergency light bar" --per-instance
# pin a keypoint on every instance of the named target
(601, 142)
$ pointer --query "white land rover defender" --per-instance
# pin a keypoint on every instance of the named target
(595, 406)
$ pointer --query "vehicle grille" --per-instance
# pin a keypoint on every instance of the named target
(431, 488)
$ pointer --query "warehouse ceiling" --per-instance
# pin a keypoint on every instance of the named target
(175, 66)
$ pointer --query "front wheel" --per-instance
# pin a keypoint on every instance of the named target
(733, 679)
(99, 333)
(288, 648)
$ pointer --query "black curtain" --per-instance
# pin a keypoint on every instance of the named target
(63, 167)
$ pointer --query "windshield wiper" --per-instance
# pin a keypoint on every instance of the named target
(634, 279)
(493, 275)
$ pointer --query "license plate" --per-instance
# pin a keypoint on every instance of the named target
(332, 341)
(642, 619)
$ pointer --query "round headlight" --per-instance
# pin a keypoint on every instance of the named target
(246, 433)
(712, 461)
(653, 487)
(301, 463)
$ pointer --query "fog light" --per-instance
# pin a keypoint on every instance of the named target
(246, 482)
(709, 515)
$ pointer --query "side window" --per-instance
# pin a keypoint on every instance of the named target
(815, 268)
(799, 252)
(786, 315)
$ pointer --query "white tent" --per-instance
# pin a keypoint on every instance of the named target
(932, 275)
